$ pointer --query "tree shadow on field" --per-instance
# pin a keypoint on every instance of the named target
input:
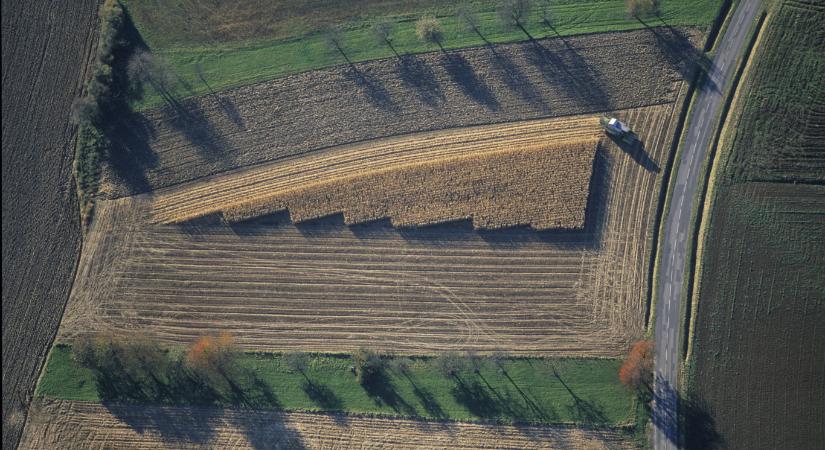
(228, 106)
(562, 65)
(426, 399)
(322, 395)
(148, 374)
(679, 52)
(371, 88)
(179, 425)
(473, 396)
(417, 75)
(127, 131)
(383, 392)
(699, 426)
(189, 118)
(510, 75)
(266, 430)
(463, 75)
(589, 411)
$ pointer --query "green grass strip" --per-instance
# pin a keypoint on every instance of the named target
(232, 64)
(580, 391)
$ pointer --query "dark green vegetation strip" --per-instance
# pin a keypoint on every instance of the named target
(759, 333)
(583, 391)
(783, 121)
(248, 41)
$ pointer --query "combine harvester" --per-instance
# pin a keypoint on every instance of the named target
(615, 128)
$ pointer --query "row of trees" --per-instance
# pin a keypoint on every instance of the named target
(212, 361)
(510, 13)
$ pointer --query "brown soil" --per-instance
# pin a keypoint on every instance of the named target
(319, 109)
(92, 426)
(45, 49)
(324, 286)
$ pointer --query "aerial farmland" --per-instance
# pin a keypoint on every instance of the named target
(390, 224)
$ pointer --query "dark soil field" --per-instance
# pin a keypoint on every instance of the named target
(760, 340)
(305, 112)
(758, 358)
(45, 49)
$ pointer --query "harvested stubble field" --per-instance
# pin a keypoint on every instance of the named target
(91, 425)
(306, 112)
(45, 49)
(415, 180)
(323, 286)
(494, 190)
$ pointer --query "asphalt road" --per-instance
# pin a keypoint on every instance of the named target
(698, 139)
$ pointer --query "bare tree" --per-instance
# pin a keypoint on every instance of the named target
(382, 31)
(639, 8)
(85, 109)
(547, 15)
(475, 360)
(514, 13)
(468, 16)
(401, 365)
(498, 357)
(450, 364)
(368, 365)
(144, 68)
(296, 361)
(428, 29)
(334, 40)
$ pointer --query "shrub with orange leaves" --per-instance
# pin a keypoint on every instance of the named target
(637, 370)
(211, 352)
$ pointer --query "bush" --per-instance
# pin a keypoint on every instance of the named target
(296, 361)
(111, 16)
(514, 12)
(428, 29)
(638, 8)
(212, 353)
(637, 370)
(450, 364)
(368, 366)
(106, 354)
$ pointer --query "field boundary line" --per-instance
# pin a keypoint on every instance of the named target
(730, 114)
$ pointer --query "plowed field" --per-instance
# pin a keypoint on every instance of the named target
(324, 286)
(307, 112)
(92, 426)
(45, 49)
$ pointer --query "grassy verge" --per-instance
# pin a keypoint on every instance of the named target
(672, 166)
(702, 208)
(223, 62)
(580, 391)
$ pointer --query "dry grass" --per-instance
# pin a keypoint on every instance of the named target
(522, 186)
(91, 426)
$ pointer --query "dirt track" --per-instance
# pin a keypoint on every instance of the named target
(326, 287)
(306, 112)
(45, 48)
(93, 426)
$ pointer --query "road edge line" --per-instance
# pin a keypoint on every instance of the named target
(724, 16)
(708, 198)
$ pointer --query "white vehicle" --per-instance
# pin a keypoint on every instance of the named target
(615, 127)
